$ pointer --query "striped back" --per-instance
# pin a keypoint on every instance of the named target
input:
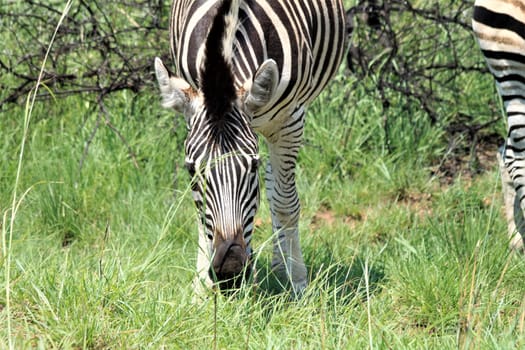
(305, 38)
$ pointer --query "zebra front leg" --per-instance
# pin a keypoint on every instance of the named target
(202, 282)
(287, 260)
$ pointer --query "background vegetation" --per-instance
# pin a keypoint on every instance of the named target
(402, 226)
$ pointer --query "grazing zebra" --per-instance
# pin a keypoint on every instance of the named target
(499, 26)
(245, 67)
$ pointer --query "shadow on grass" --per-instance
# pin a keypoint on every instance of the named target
(325, 276)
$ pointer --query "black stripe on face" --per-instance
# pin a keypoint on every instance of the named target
(227, 197)
(223, 163)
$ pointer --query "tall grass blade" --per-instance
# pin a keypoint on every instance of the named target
(7, 237)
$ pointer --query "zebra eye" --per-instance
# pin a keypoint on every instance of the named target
(210, 236)
(191, 168)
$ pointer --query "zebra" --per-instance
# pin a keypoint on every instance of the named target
(247, 67)
(499, 26)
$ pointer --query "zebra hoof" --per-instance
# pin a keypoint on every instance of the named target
(298, 289)
(295, 283)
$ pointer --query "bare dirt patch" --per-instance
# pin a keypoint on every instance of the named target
(470, 152)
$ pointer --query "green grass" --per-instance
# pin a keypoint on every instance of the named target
(103, 256)
(103, 246)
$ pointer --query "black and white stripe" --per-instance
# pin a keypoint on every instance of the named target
(499, 26)
(277, 56)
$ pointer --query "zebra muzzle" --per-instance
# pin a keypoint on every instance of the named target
(229, 262)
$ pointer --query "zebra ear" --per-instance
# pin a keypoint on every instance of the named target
(176, 92)
(263, 86)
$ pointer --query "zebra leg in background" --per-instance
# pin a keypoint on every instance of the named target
(513, 212)
(287, 260)
(498, 26)
(512, 93)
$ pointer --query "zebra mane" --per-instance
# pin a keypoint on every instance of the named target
(216, 76)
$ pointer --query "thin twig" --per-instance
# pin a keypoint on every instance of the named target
(117, 132)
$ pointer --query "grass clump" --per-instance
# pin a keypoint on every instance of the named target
(99, 236)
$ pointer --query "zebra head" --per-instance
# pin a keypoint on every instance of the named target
(221, 148)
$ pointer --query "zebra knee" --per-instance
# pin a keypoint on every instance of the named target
(287, 218)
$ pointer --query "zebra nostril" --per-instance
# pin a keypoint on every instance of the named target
(230, 260)
(228, 263)
(234, 260)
